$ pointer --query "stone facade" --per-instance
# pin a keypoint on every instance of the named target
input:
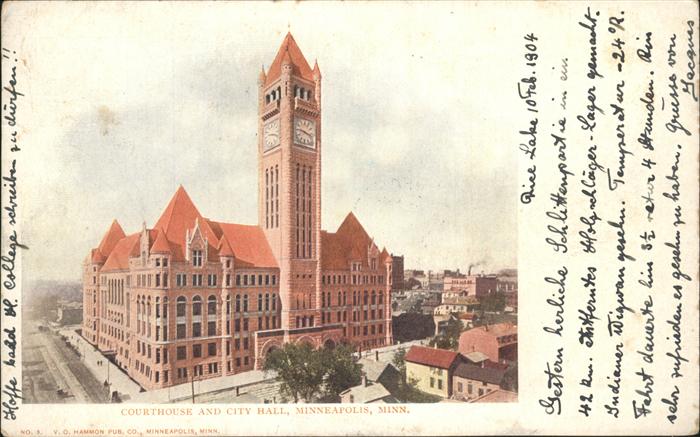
(196, 298)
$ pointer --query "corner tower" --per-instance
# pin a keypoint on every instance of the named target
(289, 179)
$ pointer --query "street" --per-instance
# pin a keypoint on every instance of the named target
(54, 373)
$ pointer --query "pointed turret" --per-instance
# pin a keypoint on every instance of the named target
(316, 71)
(262, 77)
(290, 54)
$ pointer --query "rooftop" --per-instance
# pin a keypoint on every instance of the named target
(364, 394)
(433, 357)
(484, 374)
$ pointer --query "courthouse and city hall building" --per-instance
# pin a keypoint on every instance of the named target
(196, 298)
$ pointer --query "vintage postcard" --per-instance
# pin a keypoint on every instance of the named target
(316, 218)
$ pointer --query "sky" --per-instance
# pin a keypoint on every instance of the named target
(133, 100)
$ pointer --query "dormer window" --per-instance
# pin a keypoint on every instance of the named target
(197, 258)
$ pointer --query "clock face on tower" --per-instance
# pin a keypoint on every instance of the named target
(305, 132)
(271, 135)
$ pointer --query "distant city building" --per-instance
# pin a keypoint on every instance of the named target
(453, 274)
(471, 381)
(499, 342)
(397, 273)
(507, 284)
(69, 313)
(473, 285)
(462, 304)
(432, 369)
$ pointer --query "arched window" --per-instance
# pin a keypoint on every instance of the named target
(211, 305)
(245, 303)
(181, 306)
(267, 301)
(274, 302)
(238, 303)
(323, 299)
(366, 297)
(339, 301)
(228, 304)
(374, 297)
(196, 306)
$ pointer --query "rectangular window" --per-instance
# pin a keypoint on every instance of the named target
(196, 329)
(228, 279)
(439, 384)
(181, 330)
(432, 382)
(165, 376)
(181, 353)
(157, 279)
(245, 343)
(237, 325)
(237, 345)
(197, 350)
(211, 328)
(274, 279)
(459, 387)
(245, 279)
(245, 324)
(211, 349)
(197, 258)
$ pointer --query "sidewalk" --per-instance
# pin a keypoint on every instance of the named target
(118, 380)
(238, 384)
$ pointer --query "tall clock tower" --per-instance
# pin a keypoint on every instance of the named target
(289, 179)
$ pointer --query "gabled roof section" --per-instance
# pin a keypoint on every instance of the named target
(179, 216)
(119, 258)
(225, 248)
(160, 245)
(289, 51)
(350, 243)
(111, 238)
(432, 357)
(248, 244)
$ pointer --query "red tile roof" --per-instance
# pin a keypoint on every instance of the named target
(433, 357)
(119, 258)
(225, 248)
(109, 240)
(179, 216)
(249, 245)
(349, 243)
(497, 330)
(161, 243)
(289, 51)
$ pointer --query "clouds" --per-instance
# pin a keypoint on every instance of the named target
(128, 104)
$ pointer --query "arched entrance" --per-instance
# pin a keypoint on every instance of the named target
(329, 344)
